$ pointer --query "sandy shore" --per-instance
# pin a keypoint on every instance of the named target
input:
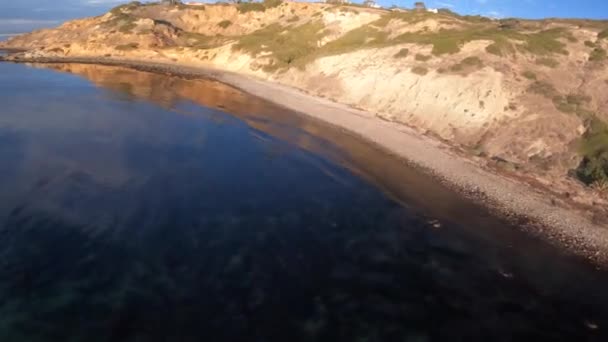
(563, 227)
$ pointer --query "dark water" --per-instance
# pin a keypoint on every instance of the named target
(141, 207)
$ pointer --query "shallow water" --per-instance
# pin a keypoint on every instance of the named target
(143, 207)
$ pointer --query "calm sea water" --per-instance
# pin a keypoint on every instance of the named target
(143, 207)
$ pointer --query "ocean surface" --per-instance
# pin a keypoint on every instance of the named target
(144, 207)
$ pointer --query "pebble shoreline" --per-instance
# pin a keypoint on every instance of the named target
(560, 226)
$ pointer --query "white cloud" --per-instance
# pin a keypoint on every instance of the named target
(495, 15)
(445, 5)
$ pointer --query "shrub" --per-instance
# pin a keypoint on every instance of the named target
(603, 34)
(529, 75)
(598, 54)
(402, 53)
(245, 7)
(467, 63)
(594, 149)
(272, 3)
(224, 23)
(589, 43)
(472, 61)
(419, 70)
(422, 58)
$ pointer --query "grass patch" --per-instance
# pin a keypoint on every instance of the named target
(501, 47)
(127, 47)
(245, 7)
(548, 62)
(529, 75)
(543, 88)
(420, 70)
(467, 63)
(362, 37)
(422, 58)
(546, 42)
(573, 103)
(288, 46)
(402, 53)
(198, 41)
(224, 24)
(598, 54)
(191, 7)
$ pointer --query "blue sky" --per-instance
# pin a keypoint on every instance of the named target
(22, 15)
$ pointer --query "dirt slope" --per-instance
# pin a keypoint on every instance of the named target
(527, 97)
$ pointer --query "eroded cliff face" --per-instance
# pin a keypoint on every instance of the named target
(532, 93)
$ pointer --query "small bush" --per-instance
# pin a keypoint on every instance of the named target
(603, 34)
(598, 54)
(589, 43)
(529, 75)
(419, 70)
(224, 23)
(245, 7)
(472, 61)
(594, 149)
(422, 58)
(402, 53)
(272, 3)
(467, 63)
(548, 62)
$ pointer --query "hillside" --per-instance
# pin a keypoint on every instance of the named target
(525, 97)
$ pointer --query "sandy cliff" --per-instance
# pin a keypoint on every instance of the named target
(526, 97)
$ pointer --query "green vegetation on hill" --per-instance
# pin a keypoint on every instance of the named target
(286, 45)
(245, 7)
(224, 23)
(594, 143)
(594, 148)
